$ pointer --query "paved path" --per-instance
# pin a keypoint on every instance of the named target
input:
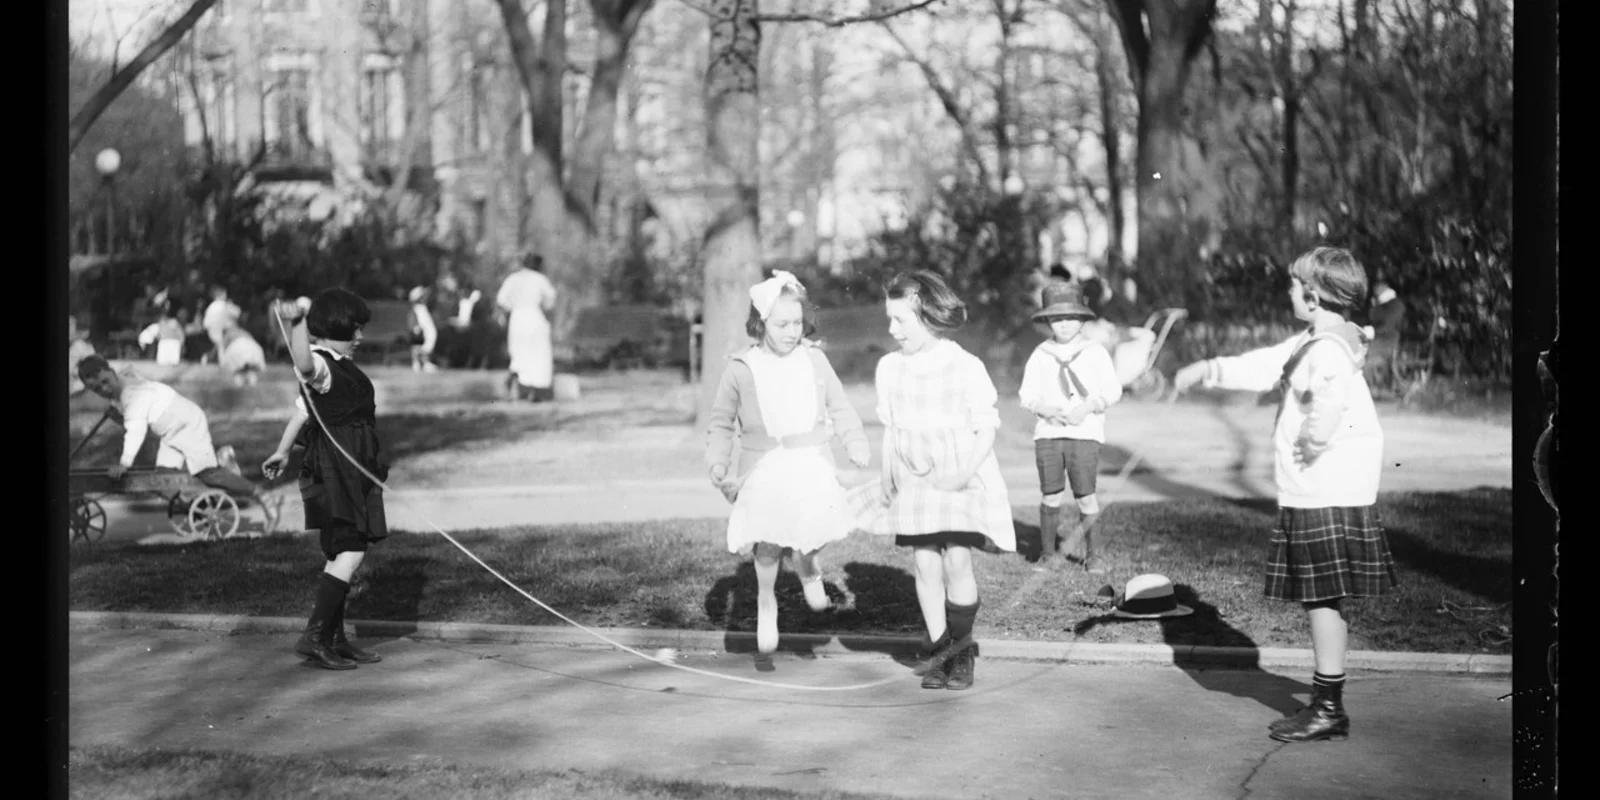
(631, 474)
(1026, 730)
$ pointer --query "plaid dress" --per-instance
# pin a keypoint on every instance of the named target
(931, 402)
(1328, 553)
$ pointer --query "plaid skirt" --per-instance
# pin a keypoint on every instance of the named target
(1328, 553)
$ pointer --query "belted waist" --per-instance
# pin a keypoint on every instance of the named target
(761, 442)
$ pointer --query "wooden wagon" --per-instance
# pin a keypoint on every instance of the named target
(194, 509)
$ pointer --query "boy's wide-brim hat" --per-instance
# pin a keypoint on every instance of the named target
(1062, 299)
(1150, 597)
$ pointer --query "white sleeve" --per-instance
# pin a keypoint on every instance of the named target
(321, 379)
(1257, 370)
(1107, 386)
(1028, 393)
(983, 400)
(880, 382)
(135, 424)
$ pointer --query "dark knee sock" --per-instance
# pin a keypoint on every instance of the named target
(330, 597)
(959, 619)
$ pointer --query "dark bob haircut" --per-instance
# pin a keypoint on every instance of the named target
(336, 314)
(757, 327)
(937, 306)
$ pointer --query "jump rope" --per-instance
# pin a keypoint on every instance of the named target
(668, 660)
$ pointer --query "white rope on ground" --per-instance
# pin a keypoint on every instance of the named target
(664, 661)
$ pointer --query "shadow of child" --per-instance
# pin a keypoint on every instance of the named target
(1241, 675)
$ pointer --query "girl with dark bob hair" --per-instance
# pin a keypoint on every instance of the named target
(940, 492)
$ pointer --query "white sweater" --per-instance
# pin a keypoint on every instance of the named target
(1045, 385)
(1329, 403)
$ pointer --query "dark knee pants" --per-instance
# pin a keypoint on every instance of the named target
(226, 480)
(1064, 462)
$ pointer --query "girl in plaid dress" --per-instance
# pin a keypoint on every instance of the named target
(344, 505)
(783, 404)
(1328, 450)
(940, 493)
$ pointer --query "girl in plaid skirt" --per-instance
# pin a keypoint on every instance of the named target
(344, 505)
(784, 405)
(940, 493)
(1328, 450)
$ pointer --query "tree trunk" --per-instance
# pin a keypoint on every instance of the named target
(1178, 200)
(616, 21)
(122, 79)
(732, 243)
(1111, 137)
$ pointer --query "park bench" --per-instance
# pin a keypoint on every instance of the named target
(622, 337)
(388, 334)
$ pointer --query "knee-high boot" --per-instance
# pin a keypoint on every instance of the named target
(316, 643)
(342, 645)
(961, 620)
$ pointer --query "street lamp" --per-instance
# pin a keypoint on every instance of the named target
(106, 162)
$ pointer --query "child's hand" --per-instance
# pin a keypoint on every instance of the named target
(1306, 451)
(1049, 413)
(116, 471)
(289, 310)
(860, 454)
(273, 466)
(1187, 377)
(1078, 414)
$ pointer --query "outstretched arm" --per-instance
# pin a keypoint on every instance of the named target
(273, 466)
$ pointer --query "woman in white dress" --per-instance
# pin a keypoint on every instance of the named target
(528, 297)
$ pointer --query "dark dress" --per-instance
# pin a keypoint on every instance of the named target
(344, 504)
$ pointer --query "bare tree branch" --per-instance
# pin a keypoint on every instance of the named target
(950, 103)
(835, 22)
(121, 80)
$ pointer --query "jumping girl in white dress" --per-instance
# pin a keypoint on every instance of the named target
(784, 403)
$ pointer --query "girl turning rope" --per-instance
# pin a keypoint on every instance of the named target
(345, 506)
(783, 401)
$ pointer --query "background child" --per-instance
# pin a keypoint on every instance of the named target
(142, 406)
(784, 403)
(167, 335)
(1068, 384)
(424, 335)
(345, 506)
(941, 491)
(1328, 447)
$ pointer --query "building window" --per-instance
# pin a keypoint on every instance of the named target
(288, 112)
(382, 116)
(216, 104)
(479, 127)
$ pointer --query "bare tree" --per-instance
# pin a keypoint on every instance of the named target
(122, 78)
(1178, 200)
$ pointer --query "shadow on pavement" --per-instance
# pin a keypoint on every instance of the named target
(388, 588)
(1242, 677)
(881, 598)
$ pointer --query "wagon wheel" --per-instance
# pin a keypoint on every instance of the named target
(213, 515)
(1149, 384)
(178, 515)
(87, 520)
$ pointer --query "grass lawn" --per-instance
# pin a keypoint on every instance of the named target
(117, 773)
(1453, 550)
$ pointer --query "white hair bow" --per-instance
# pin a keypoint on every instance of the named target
(765, 294)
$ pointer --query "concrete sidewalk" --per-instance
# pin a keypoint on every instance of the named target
(1028, 729)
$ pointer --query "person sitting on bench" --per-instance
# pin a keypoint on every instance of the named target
(142, 406)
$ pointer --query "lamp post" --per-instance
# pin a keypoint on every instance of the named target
(107, 162)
